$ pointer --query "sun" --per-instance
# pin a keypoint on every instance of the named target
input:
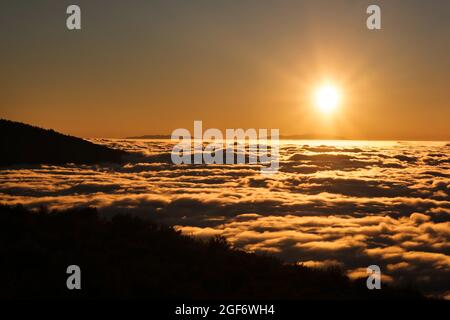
(327, 98)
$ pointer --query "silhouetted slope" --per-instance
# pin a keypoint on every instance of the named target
(126, 257)
(24, 144)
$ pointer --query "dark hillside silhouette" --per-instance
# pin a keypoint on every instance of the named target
(126, 257)
(24, 144)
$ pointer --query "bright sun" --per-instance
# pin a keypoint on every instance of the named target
(327, 98)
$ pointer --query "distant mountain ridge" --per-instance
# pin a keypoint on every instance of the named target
(25, 144)
(282, 137)
(151, 136)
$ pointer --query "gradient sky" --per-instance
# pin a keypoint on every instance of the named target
(149, 67)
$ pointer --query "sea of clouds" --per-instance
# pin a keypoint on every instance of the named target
(351, 203)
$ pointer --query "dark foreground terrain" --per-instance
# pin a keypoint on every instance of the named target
(126, 257)
(24, 144)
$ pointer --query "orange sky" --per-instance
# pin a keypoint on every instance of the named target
(150, 67)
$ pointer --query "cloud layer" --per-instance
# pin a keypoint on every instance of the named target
(353, 204)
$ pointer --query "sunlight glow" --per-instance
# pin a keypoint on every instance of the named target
(327, 98)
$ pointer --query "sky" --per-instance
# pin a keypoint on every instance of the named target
(149, 67)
